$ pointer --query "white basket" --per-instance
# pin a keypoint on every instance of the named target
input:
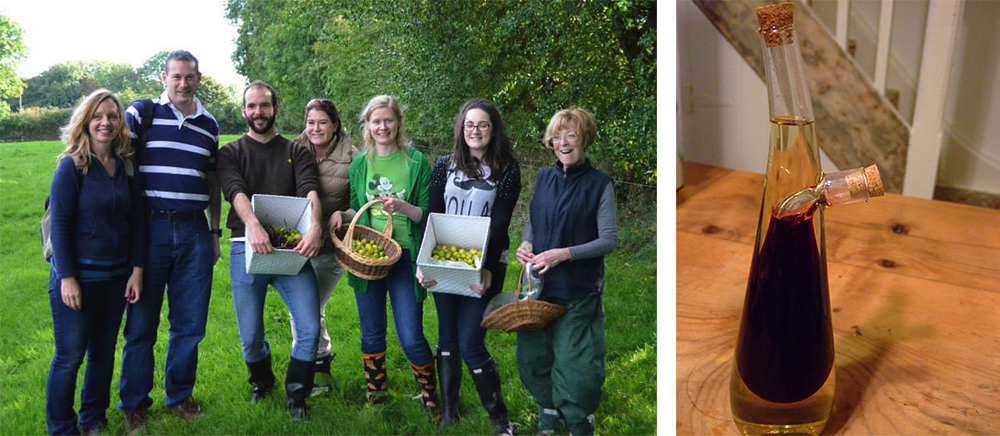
(279, 210)
(461, 231)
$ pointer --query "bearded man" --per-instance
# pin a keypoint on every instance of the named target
(264, 162)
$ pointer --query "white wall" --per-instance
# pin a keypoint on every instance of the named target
(970, 155)
(722, 104)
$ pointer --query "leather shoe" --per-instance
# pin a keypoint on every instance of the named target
(186, 409)
(135, 420)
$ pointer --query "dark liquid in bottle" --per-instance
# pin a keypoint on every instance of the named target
(784, 351)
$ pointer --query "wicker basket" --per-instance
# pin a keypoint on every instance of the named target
(361, 266)
(521, 316)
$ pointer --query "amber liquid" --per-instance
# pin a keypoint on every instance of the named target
(783, 377)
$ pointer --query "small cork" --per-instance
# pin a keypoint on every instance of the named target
(771, 18)
(874, 182)
(865, 183)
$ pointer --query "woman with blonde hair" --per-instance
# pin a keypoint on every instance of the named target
(98, 244)
(325, 138)
(389, 169)
(570, 228)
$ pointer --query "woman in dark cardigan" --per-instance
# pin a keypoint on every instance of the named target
(481, 177)
(98, 243)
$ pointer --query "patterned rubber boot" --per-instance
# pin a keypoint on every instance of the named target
(427, 380)
(375, 377)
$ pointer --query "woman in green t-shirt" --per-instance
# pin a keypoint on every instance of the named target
(389, 168)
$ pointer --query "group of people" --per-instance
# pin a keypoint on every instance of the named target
(134, 228)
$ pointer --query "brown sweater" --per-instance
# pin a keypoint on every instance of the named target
(279, 167)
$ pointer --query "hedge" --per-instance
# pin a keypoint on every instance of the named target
(34, 124)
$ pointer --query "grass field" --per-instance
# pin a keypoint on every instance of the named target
(26, 343)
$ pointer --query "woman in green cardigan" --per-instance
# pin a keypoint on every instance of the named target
(390, 169)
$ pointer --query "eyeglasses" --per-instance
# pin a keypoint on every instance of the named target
(571, 137)
(481, 126)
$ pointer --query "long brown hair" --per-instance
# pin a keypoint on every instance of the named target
(76, 134)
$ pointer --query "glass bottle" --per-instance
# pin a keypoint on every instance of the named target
(782, 379)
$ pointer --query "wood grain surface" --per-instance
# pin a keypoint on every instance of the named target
(915, 291)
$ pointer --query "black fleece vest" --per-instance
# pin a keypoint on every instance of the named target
(564, 214)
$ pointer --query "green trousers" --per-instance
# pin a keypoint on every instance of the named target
(562, 365)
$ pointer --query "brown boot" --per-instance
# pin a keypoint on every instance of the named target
(427, 380)
(375, 377)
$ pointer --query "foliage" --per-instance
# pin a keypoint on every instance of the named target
(34, 123)
(531, 57)
(62, 86)
(222, 103)
(11, 52)
(276, 46)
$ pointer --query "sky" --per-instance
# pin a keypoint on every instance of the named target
(58, 31)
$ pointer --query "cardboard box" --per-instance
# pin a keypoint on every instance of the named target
(461, 231)
(279, 210)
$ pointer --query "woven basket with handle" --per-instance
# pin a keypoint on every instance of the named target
(522, 316)
(362, 266)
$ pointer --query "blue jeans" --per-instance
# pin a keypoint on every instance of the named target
(458, 322)
(406, 312)
(249, 291)
(92, 331)
(180, 261)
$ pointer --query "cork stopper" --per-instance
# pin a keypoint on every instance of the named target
(865, 183)
(772, 18)
(874, 181)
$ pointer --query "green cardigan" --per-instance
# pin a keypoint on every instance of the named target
(418, 192)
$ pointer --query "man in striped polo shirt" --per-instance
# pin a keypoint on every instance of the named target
(179, 179)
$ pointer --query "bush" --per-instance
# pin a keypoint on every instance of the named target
(34, 124)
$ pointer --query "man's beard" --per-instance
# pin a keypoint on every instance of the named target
(267, 127)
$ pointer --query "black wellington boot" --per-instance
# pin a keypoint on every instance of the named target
(298, 385)
(323, 381)
(449, 366)
(487, 380)
(261, 378)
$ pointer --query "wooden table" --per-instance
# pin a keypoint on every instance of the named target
(915, 292)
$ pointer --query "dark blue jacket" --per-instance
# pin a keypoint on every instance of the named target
(97, 223)
(564, 214)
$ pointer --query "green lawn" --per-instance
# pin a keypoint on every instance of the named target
(628, 406)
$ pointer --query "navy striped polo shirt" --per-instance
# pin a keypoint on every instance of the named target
(178, 153)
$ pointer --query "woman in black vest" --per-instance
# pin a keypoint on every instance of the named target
(570, 229)
(480, 177)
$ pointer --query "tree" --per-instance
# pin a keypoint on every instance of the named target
(11, 52)
(531, 57)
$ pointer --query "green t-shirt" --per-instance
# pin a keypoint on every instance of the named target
(388, 175)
